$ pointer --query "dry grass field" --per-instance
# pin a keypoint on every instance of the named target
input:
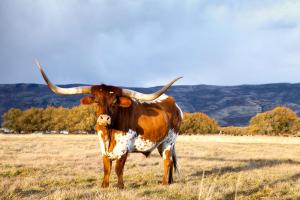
(212, 167)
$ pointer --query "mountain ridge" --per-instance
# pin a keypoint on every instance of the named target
(229, 105)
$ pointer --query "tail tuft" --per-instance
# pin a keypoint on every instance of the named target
(174, 158)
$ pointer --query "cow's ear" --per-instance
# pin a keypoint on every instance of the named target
(87, 100)
(124, 102)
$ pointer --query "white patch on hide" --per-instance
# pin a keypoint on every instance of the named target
(170, 138)
(143, 145)
(124, 143)
(101, 142)
(169, 142)
(168, 148)
(130, 142)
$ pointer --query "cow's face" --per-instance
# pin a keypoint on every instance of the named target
(108, 100)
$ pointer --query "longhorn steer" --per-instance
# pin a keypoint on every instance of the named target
(129, 121)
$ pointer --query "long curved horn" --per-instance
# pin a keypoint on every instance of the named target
(148, 97)
(64, 91)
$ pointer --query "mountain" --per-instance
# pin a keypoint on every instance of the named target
(229, 105)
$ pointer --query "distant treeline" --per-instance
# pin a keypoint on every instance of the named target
(279, 121)
(76, 119)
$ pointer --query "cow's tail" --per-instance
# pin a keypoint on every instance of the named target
(174, 159)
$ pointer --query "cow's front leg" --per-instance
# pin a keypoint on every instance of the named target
(120, 169)
(107, 168)
(168, 167)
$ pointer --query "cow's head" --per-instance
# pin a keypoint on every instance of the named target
(108, 100)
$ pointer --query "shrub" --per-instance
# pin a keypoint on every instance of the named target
(235, 130)
(31, 120)
(198, 123)
(81, 117)
(11, 119)
(279, 121)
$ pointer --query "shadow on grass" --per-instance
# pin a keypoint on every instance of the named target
(29, 191)
(164, 193)
(250, 191)
(251, 164)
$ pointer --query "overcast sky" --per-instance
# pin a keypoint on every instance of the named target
(147, 43)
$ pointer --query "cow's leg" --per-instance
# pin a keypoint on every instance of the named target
(168, 166)
(107, 168)
(120, 169)
(166, 152)
(170, 178)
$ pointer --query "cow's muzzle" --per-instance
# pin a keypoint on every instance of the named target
(104, 120)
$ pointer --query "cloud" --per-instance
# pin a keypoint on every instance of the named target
(280, 25)
(145, 43)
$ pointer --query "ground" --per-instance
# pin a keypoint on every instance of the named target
(211, 167)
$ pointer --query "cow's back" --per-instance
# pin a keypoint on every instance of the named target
(155, 119)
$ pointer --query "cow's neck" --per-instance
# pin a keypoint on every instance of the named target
(124, 119)
(104, 129)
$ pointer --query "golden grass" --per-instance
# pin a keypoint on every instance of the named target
(212, 167)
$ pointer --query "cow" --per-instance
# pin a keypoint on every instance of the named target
(129, 121)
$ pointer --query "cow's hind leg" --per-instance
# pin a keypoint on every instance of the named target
(107, 168)
(168, 167)
(166, 152)
(120, 169)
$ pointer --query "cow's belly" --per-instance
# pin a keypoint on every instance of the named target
(143, 145)
(131, 142)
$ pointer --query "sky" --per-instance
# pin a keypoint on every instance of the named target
(146, 43)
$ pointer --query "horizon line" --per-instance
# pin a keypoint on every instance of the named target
(175, 85)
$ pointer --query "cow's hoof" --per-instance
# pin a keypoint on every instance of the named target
(120, 185)
(104, 185)
(165, 182)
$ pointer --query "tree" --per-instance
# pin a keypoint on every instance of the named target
(47, 123)
(280, 120)
(31, 120)
(82, 118)
(198, 123)
(60, 119)
(11, 119)
(87, 118)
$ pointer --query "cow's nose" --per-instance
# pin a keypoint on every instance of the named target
(104, 120)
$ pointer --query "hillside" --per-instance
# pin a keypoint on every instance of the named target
(229, 105)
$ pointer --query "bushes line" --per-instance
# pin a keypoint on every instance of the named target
(76, 119)
(279, 121)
